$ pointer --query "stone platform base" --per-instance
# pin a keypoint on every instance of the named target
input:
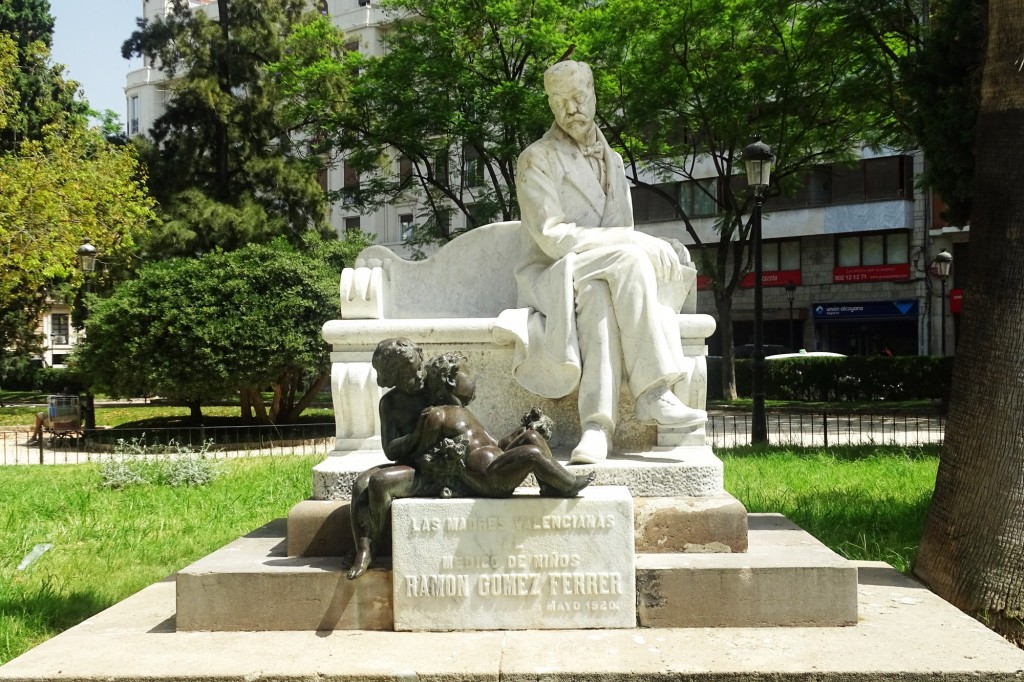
(786, 578)
(669, 471)
(904, 634)
(716, 523)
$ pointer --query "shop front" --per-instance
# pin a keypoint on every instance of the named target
(867, 327)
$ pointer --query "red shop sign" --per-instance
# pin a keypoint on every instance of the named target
(871, 273)
(773, 278)
(956, 300)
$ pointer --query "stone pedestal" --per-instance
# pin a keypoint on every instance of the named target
(709, 524)
(671, 471)
(522, 563)
(786, 578)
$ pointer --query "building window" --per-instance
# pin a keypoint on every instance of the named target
(656, 203)
(700, 197)
(404, 170)
(405, 226)
(813, 188)
(479, 214)
(352, 224)
(780, 255)
(443, 220)
(441, 169)
(886, 177)
(472, 167)
(351, 185)
(133, 115)
(60, 328)
(884, 248)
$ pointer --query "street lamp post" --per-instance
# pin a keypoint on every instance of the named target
(758, 157)
(942, 263)
(790, 294)
(87, 262)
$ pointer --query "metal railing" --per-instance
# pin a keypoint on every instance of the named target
(822, 429)
(825, 429)
(226, 441)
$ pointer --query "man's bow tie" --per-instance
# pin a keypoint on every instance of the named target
(595, 150)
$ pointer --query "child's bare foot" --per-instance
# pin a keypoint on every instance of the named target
(582, 481)
(361, 561)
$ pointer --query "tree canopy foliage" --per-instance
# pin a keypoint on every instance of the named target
(234, 158)
(943, 79)
(456, 97)
(62, 182)
(200, 329)
(44, 96)
(684, 85)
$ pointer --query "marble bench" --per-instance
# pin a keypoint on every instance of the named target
(453, 301)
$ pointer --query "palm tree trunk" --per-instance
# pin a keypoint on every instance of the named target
(972, 551)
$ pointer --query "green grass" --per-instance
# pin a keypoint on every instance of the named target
(865, 502)
(109, 544)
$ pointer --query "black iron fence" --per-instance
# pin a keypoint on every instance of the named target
(219, 441)
(830, 428)
(821, 429)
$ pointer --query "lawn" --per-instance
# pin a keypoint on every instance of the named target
(865, 502)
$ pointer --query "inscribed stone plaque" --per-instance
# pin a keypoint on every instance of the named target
(521, 563)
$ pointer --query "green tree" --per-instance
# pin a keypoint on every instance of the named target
(44, 96)
(943, 80)
(69, 186)
(8, 94)
(684, 85)
(972, 551)
(200, 329)
(230, 161)
(455, 99)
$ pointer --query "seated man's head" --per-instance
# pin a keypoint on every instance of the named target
(399, 363)
(570, 89)
(446, 383)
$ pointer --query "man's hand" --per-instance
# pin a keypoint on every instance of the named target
(663, 256)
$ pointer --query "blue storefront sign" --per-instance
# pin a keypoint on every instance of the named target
(864, 310)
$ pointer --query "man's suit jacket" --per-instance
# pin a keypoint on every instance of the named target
(565, 210)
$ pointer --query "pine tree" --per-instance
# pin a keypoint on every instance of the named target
(229, 162)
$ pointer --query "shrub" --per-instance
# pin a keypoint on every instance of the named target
(854, 378)
(137, 463)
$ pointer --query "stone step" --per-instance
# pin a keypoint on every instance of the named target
(785, 578)
(904, 634)
(714, 523)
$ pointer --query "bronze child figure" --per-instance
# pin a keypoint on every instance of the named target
(439, 447)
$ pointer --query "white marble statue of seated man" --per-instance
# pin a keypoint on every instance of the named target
(590, 280)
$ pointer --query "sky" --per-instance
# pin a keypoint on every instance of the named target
(87, 39)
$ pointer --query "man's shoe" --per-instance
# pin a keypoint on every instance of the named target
(32, 441)
(593, 446)
(659, 405)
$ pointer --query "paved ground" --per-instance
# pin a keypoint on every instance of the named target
(905, 634)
